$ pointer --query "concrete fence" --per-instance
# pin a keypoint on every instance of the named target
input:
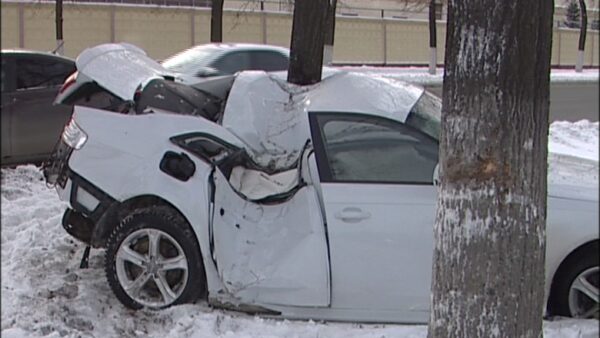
(162, 31)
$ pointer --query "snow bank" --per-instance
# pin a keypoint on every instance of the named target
(573, 153)
(45, 294)
(577, 139)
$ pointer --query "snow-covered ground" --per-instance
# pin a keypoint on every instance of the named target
(45, 294)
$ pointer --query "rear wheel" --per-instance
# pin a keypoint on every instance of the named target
(153, 260)
(575, 293)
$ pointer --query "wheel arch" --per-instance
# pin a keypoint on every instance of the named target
(118, 210)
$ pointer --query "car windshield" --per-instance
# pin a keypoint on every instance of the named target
(426, 114)
(190, 61)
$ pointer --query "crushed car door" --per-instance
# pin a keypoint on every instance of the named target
(271, 253)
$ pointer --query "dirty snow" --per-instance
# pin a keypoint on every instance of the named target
(45, 294)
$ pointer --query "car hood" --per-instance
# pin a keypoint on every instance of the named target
(122, 69)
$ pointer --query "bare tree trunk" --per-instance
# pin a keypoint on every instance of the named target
(59, 28)
(488, 269)
(329, 34)
(582, 34)
(432, 38)
(308, 38)
(216, 21)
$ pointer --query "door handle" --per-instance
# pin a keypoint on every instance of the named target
(352, 215)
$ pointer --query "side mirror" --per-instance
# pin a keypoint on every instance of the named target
(436, 175)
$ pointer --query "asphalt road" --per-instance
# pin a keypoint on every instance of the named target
(574, 102)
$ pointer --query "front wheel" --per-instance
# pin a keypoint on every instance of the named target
(153, 260)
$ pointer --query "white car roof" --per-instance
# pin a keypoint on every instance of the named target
(271, 115)
(242, 46)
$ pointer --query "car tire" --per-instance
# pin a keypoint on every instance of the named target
(153, 260)
(568, 297)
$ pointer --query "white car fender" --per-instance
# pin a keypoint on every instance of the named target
(122, 157)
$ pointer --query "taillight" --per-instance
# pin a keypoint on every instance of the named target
(68, 82)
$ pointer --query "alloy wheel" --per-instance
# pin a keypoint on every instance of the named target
(151, 267)
(584, 294)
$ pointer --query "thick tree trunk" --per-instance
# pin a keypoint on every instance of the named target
(308, 37)
(329, 34)
(59, 28)
(216, 21)
(582, 33)
(488, 270)
(432, 37)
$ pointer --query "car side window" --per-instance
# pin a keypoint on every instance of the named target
(42, 72)
(232, 62)
(367, 149)
(269, 61)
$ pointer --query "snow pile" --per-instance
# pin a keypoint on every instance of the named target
(579, 139)
(45, 294)
(573, 152)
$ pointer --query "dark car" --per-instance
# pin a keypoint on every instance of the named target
(227, 58)
(31, 123)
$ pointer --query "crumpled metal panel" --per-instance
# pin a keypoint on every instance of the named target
(271, 115)
(119, 67)
(273, 254)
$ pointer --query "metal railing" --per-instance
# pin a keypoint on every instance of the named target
(416, 10)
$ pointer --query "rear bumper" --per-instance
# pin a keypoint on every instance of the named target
(85, 197)
(89, 205)
(88, 202)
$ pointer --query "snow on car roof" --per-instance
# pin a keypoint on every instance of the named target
(271, 115)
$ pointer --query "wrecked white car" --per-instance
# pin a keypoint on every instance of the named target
(302, 202)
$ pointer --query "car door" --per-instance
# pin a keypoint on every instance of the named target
(36, 123)
(376, 181)
(270, 252)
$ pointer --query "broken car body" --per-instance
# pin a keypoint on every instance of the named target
(302, 202)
